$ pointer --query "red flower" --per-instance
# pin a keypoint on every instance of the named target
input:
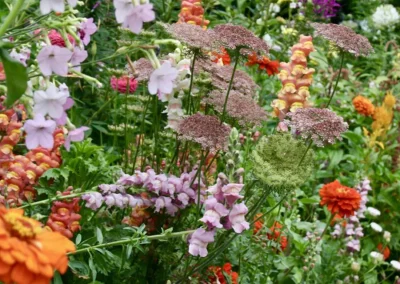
(341, 200)
(217, 274)
(264, 63)
(121, 84)
(258, 224)
(223, 56)
(277, 236)
(384, 250)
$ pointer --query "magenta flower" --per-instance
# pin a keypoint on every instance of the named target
(39, 132)
(138, 15)
(93, 200)
(78, 56)
(162, 79)
(54, 59)
(231, 192)
(50, 102)
(214, 212)
(87, 28)
(236, 218)
(63, 119)
(199, 240)
(75, 136)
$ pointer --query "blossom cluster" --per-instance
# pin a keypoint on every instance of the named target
(221, 211)
(192, 12)
(296, 79)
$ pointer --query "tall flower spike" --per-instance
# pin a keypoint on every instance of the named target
(345, 38)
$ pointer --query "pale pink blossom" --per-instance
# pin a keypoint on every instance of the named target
(75, 135)
(78, 56)
(162, 79)
(214, 212)
(50, 102)
(46, 6)
(199, 240)
(54, 59)
(87, 28)
(138, 15)
(39, 132)
(236, 218)
(122, 9)
(231, 192)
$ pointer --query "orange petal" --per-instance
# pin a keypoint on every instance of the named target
(21, 275)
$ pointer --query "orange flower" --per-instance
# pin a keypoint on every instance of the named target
(384, 250)
(258, 224)
(219, 274)
(340, 199)
(363, 106)
(276, 235)
(221, 57)
(271, 67)
(29, 253)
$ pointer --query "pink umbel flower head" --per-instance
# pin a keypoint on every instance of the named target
(138, 15)
(54, 59)
(199, 240)
(78, 56)
(39, 132)
(86, 29)
(50, 102)
(231, 192)
(75, 136)
(162, 79)
(46, 6)
(214, 212)
(236, 218)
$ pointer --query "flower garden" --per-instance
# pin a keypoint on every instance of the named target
(199, 141)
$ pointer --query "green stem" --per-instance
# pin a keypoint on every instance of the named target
(61, 197)
(127, 241)
(337, 79)
(155, 135)
(305, 153)
(328, 224)
(126, 125)
(269, 211)
(101, 108)
(191, 81)
(11, 17)
(230, 84)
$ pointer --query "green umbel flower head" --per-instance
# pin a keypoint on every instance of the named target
(276, 162)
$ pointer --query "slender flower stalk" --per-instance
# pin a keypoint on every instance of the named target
(191, 81)
(11, 17)
(50, 200)
(230, 85)
(337, 79)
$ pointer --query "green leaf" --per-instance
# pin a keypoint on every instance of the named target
(99, 235)
(309, 200)
(79, 268)
(16, 77)
(57, 278)
(78, 239)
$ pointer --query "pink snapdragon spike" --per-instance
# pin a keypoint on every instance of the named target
(116, 199)
(46, 6)
(138, 15)
(231, 192)
(39, 132)
(236, 218)
(213, 214)
(78, 56)
(199, 240)
(50, 102)
(54, 59)
(63, 119)
(75, 136)
(87, 28)
(93, 200)
(162, 79)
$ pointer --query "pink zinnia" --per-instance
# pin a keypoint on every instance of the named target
(120, 84)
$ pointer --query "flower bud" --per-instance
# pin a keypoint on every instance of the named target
(355, 266)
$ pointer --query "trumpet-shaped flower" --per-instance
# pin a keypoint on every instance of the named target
(138, 15)
(50, 102)
(46, 6)
(78, 56)
(87, 28)
(39, 132)
(54, 59)
(162, 79)
(199, 240)
(75, 135)
(236, 218)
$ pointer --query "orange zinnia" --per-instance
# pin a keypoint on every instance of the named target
(29, 253)
(363, 106)
(340, 199)
(221, 57)
(271, 67)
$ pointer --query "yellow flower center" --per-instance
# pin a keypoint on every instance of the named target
(21, 226)
(342, 190)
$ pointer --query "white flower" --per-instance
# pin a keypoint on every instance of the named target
(376, 255)
(161, 81)
(373, 211)
(50, 102)
(355, 266)
(385, 16)
(274, 8)
(293, 5)
(387, 236)
(376, 227)
(395, 264)
(46, 6)
(364, 26)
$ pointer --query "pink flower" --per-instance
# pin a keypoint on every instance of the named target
(46, 6)
(236, 218)
(78, 56)
(93, 200)
(199, 240)
(50, 101)
(75, 136)
(231, 192)
(214, 212)
(116, 199)
(162, 79)
(57, 39)
(53, 58)
(121, 84)
(122, 9)
(39, 132)
(87, 28)
(138, 15)
(63, 119)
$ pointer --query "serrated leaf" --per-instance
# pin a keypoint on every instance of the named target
(16, 77)
(79, 268)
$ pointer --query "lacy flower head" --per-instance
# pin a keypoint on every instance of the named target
(345, 38)
(340, 199)
(276, 162)
(321, 125)
(206, 130)
(193, 36)
(385, 16)
(243, 108)
(237, 37)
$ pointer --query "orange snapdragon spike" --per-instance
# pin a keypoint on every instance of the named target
(29, 253)
(192, 12)
(339, 199)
